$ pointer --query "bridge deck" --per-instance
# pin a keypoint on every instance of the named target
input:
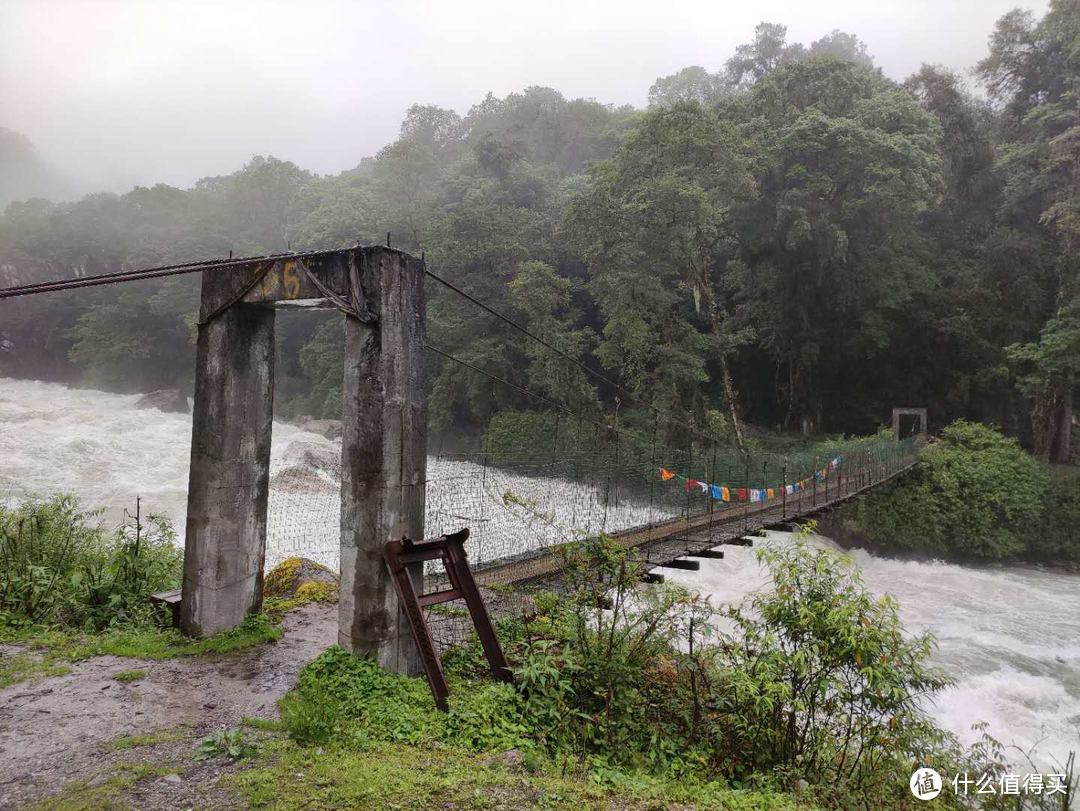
(659, 543)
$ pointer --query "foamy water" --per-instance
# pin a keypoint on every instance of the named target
(105, 450)
(1009, 636)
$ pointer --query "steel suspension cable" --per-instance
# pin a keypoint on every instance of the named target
(139, 274)
(539, 397)
(584, 367)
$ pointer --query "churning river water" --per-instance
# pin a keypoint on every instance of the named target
(1008, 635)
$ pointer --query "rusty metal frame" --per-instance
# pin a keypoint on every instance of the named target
(450, 549)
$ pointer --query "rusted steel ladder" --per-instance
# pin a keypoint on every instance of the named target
(451, 550)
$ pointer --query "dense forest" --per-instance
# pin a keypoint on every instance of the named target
(793, 241)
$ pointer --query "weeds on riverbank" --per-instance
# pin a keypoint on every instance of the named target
(58, 568)
(70, 590)
(816, 689)
(976, 495)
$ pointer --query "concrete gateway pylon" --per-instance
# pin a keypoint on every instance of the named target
(380, 293)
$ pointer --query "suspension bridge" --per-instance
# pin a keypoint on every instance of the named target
(666, 502)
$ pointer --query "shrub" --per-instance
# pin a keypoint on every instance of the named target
(816, 681)
(1059, 534)
(819, 680)
(58, 568)
(976, 494)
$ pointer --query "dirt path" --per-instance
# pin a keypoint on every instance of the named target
(59, 729)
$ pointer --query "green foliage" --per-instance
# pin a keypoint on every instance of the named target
(795, 238)
(348, 698)
(56, 568)
(536, 436)
(820, 679)
(417, 778)
(817, 681)
(51, 650)
(322, 360)
(1057, 535)
(227, 742)
(975, 494)
(129, 675)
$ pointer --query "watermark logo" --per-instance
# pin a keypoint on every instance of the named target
(925, 783)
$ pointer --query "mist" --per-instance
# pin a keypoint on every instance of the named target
(116, 94)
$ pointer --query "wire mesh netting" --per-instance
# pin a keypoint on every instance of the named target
(520, 507)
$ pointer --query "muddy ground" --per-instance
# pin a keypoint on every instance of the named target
(59, 729)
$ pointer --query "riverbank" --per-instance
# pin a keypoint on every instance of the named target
(850, 536)
(1008, 634)
(974, 497)
(127, 733)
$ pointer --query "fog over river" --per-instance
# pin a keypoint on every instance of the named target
(1010, 636)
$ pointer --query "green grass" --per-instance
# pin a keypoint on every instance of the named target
(18, 667)
(264, 724)
(147, 642)
(403, 777)
(80, 795)
(148, 740)
(58, 648)
(129, 675)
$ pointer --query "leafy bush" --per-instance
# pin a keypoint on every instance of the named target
(58, 568)
(816, 681)
(350, 698)
(976, 494)
(1059, 534)
(819, 680)
(594, 673)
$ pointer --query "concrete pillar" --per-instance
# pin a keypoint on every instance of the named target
(383, 454)
(230, 459)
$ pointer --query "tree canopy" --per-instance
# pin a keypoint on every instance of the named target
(790, 239)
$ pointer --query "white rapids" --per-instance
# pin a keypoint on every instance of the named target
(1010, 636)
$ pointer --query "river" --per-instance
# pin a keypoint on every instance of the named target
(1008, 635)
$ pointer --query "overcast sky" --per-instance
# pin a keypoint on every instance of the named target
(124, 92)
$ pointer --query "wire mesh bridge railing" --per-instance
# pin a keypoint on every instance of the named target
(520, 511)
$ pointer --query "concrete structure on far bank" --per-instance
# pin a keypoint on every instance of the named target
(380, 293)
(919, 414)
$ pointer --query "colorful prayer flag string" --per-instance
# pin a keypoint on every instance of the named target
(755, 495)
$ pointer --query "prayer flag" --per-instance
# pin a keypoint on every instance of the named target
(770, 493)
(666, 475)
(725, 493)
(716, 491)
(692, 484)
(742, 494)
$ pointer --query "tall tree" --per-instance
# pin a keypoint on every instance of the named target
(655, 227)
(1033, 72)
(846, 162)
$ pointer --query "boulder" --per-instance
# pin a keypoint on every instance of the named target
(331, 429)
(311, 456)
(170, 400)
(287, 578)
